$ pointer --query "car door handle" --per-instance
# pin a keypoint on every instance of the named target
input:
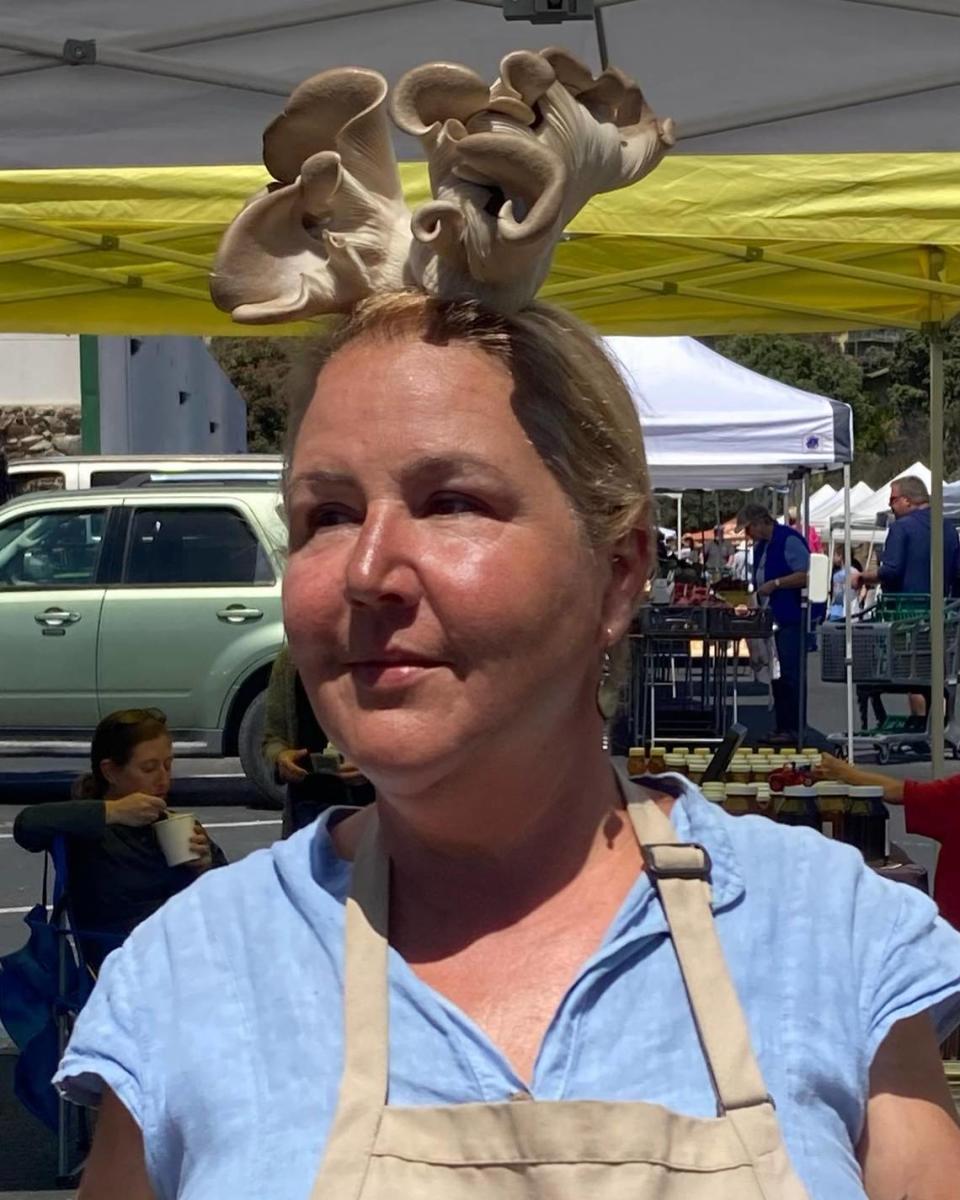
(56, 618)
(236, 614)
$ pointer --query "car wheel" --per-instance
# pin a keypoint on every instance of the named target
(255, 766)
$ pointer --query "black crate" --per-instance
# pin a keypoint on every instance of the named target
(672, 620)
(727, 622)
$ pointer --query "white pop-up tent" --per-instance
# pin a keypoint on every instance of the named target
(822, 497)
(710, 423)
(860, 493)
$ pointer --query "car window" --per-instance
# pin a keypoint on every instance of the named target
(194, 546)
(114, 478)
(51, 549)
(36, 481)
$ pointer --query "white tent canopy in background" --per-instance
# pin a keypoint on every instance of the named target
(820, 502)
(860, 493)
(710, 423)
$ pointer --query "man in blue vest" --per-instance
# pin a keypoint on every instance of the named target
(781, 566)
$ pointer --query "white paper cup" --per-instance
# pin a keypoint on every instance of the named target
(174, 836)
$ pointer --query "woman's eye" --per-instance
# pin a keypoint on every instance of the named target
(449, 504)
(326, 518)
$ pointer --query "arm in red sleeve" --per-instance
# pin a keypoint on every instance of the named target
(933, 809)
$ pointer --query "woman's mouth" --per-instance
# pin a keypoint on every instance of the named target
(391, 673)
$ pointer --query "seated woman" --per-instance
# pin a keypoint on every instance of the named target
(117, 872)
(516, 975)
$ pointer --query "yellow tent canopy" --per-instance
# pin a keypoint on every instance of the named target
(707, 244)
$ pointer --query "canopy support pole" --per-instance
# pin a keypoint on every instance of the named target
(936, 716)
(805, 613)
(847, 609)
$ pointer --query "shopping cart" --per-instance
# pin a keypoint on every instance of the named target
(891, 653)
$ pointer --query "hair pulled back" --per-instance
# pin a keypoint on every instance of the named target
(116, 738)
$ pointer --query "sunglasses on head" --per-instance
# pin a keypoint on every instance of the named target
(134, 716)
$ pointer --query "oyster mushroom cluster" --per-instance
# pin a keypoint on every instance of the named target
(510, 165)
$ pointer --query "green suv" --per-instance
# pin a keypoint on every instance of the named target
(165, 595)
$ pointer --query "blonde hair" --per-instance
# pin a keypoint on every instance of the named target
(569, 398)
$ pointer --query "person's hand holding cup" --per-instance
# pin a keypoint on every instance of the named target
(136, 810)
(201, 847)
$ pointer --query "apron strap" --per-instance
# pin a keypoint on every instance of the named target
(364, 1077)
(680, 874)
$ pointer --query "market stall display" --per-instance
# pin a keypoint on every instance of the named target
(781, 784)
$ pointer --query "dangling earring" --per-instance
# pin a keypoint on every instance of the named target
(607, 695)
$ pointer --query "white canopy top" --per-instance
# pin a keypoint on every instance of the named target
(820, 502)
(135, 82)
(860, 493)
(710, 423)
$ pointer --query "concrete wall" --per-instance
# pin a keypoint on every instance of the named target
(39, 370)
(164, 394)
(156, 395)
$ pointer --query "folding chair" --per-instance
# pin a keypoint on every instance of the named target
(71, 1120)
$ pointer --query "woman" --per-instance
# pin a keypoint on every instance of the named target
(117, 873)
(931, 809)
(450, 610)
(478, 986)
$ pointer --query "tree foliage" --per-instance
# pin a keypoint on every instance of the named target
(887, 388)
(257, 368)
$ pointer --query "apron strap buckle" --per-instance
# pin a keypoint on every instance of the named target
(677, 860)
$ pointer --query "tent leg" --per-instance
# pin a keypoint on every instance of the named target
(936, 715)
(804, 515)
(847, 612)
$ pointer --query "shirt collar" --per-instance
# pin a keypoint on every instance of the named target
(695, 819)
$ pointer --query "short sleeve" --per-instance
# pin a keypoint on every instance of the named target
(910, 960)
(797, 555)
(107, 1045)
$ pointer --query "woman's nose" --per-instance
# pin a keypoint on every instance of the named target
(380, 569)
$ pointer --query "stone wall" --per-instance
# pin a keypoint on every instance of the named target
(33, 431)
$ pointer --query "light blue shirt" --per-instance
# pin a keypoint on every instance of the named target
(219, 1025)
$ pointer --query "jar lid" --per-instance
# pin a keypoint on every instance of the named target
(800, 789)
(832, 789)
(762, 766)
(741, 789)
(866, 792)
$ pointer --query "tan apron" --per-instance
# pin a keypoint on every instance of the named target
(526, 1149)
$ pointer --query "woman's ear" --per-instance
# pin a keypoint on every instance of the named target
(109, 770)
(629, 559)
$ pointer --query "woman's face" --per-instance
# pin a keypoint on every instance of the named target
(440, 599)
(149, 769)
